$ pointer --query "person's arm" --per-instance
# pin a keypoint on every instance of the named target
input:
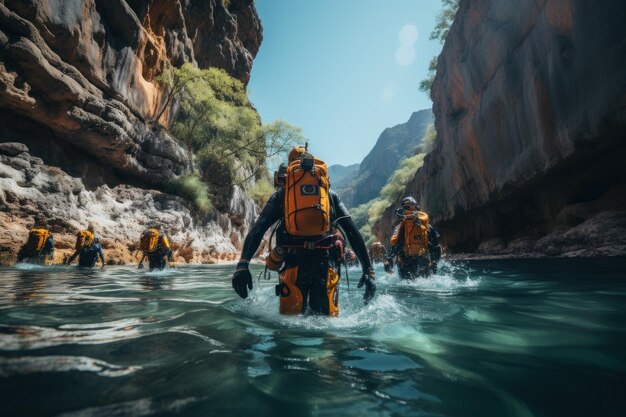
(49, 247)
(140, 265)
(433, 244)
(242, 279)
(396, 240)
(165, 244)
(356, 241)
(358, 245)
(101, 255)
(269, 215)
(71, 258)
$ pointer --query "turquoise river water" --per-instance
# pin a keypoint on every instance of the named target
(482, 338)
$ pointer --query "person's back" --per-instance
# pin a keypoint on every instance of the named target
(88, 256)
(414, 241)
(38, 247)
(308, 213)
(155, 246)
(87, 248)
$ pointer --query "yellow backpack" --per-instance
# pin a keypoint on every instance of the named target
(37, 239)
(307, 199)
(84, 239)
(149, 240)
(415, 227)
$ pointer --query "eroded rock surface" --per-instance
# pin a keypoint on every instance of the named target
(77, 88)
(30, 189)
(529, 105)
(85, 70)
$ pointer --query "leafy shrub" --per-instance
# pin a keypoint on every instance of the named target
(261, 191)
(430, 137)
(217, 124)
(440, 32)
(191, 188)
(401, 177)
(366, 215)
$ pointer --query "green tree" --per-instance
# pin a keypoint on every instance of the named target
(216, 123)
(280, 138)
(444, 21)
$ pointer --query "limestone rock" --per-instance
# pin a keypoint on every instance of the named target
(120, 214)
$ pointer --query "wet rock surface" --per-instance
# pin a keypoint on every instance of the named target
(529, 108)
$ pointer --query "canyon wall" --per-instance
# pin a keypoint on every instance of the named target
(78, 102)
(393, 145)
(530, 111)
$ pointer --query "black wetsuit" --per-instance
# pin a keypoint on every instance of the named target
(411, 267)
(312, 264)
(88, 256)
(157, 259)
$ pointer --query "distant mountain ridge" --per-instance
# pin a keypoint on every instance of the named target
(339, 172)
(393, 145)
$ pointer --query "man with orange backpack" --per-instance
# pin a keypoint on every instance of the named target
(309, 215)
(155, 246)
(414, 242)
(39, 246)
(87, 249)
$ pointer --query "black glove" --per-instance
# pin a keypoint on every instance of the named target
(242, 279)
(367, 279)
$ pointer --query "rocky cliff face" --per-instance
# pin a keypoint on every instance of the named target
(77, 89)
(393, 145)
(529, 102)
(339, 173)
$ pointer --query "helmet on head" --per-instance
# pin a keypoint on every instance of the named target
(296, 153)
(409, 203)
(280, 176)
(90, 228)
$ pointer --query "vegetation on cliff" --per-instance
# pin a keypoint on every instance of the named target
(214, 120)
(392, 146)
(367, 214)
(440, 33)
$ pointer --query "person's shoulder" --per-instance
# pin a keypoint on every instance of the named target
(334, 197)
(277, 197)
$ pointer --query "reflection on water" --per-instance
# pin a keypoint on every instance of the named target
(519, 338)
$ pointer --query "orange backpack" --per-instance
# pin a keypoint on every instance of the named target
(84, 239)
(415, 227)
(307, 198)
(149, 240)
(37, 239)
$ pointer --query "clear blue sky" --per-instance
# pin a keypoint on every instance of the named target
(339, 70)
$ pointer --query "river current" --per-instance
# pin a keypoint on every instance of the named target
(481, 338)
